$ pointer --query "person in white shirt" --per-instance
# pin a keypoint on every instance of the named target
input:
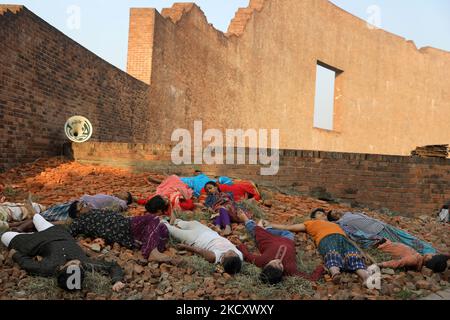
(444, 213)
(200, 239)
(12, 214)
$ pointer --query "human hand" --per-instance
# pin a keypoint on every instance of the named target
(266, 223)
(118, 286)
(100, 242)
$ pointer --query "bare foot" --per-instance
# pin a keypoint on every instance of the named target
(29, 207)
(266, 224)
(242, 216)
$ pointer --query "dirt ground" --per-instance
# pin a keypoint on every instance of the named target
(55, 180)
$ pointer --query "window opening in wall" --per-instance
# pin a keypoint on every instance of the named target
(324, 102)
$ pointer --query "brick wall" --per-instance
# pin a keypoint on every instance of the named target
(410, 186)
(262, 74)
(45, 78)
(140, 44)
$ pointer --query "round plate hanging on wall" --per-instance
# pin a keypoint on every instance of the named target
(78, 129)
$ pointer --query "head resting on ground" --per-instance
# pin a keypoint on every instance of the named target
(74, 209)
(446, 205)
(157, 205)
(125, 196)
(197, 172)
(334, 216)
(319, 214)
(231, 262)
(66, 273)
(272, 273)
(212, 187)
(437, 263)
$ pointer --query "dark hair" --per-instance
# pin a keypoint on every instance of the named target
(73, 212)
(155, 204)
(271, 275)
(314, 212)
(213, 184)
(382, 241)
(232, 265)
(129, 198)
(62, 277)
(330, 217)
(437, 263)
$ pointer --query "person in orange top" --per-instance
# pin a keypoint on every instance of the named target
(405, 256)
(337, 251)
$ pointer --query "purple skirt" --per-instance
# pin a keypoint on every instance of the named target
(149, 233)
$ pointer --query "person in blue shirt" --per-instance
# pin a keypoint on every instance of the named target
(198, 181)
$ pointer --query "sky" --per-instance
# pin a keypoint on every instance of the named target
(324, 101)
(102, 25)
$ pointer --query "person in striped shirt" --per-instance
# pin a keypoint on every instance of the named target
(367, 231)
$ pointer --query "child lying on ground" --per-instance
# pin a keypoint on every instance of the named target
(405, 256)
(12, 214)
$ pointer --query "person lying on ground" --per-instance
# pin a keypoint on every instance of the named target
(61, 213)
(443, 214)
(240, 189)
(338, 252)
(366, 231)
(13, 214)
(198, 181)
(278, 255)
(406, 257)
(158, 206)
(224, 209)
(145, 232)
(118, 202)
(176, 194)
(59, 252)
(201, 240)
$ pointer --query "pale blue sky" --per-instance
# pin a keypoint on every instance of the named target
(104, 23)
(324, 102)
(103, 26)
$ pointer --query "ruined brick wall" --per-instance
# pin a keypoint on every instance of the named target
(140, 43)
(45, 78)
(390, 98)
(406, 185)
